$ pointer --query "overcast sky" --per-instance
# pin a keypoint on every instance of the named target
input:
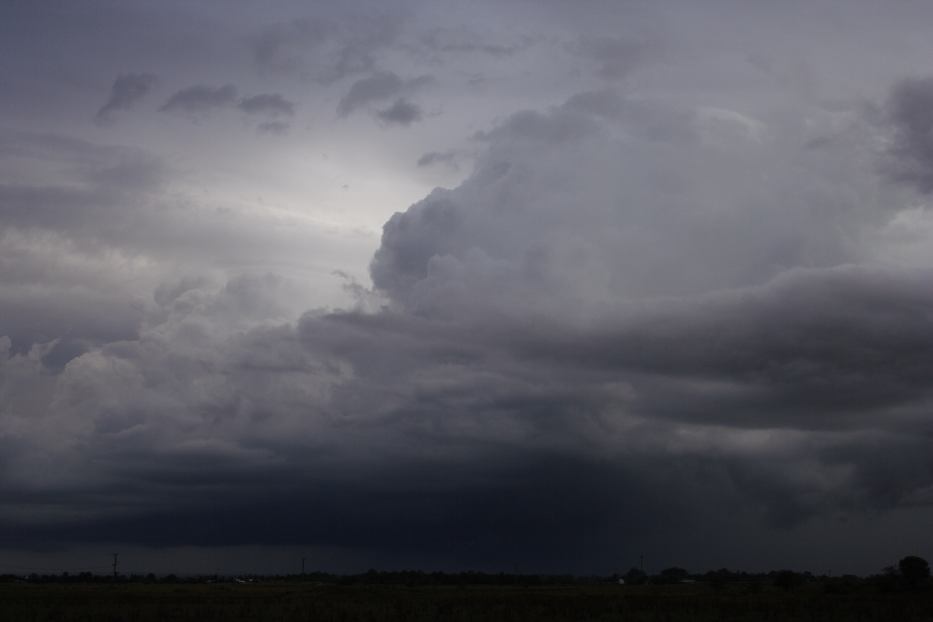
(465, 285)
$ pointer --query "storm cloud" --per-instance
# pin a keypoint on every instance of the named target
(669, 295)
(908, 112)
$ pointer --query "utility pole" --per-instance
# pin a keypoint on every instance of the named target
(115, 558)
(302, 565)
(641, 562)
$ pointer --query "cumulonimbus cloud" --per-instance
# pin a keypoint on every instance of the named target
(638, 318)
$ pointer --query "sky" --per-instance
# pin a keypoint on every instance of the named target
(499, 285)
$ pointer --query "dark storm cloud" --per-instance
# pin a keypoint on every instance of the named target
(401, 112)
(483, 382)
(268, 105)
(671, 319)
(491, 503)
(200, 99)
(829, 349)
(469, 435)
(841, 351)
(415, 509)
(910, 113)
(127, 91)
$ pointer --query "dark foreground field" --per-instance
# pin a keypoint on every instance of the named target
(232, 603)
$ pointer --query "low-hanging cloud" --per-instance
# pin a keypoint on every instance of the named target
(267, 105)
(401, 112)
(379, 87)
(200, 99)
(433, 158)
(367, 90)
(127, 91)
(909, 114)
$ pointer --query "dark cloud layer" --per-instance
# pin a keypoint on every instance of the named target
(688, 318)
(482, 443)
(909, 113)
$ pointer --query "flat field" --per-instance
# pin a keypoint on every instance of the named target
(333, 603)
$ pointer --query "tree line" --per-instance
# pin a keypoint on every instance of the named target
(910, 573)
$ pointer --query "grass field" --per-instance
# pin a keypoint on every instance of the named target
(290, 601)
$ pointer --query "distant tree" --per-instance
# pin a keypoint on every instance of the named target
(914, 570)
